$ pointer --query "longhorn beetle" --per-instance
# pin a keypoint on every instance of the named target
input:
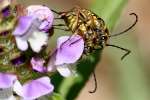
(92, 29)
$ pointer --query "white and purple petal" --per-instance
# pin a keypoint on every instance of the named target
(38, 64)
(37, 40)
(65, 70)
(23, 26)
(7, 80)
(69, 49)
(22, 43)
(34, 89)
(44, 14)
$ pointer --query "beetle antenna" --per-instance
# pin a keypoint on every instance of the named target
(95, 81)
(127, 52)
(126, 30)
(55, 11)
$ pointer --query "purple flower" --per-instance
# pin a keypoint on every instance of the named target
(32, 27)
(69, 51)
(29, 90)
(38, 64)
(27, 31)
(44, 14)
(34, 89)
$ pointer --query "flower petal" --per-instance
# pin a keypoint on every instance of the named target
(44, 26)
(44, 14)
(18, 88)
(35, 88)
(24, 24)
(21, 43)
(64, 70)
(37, 40)
(12, 97)
(38, 64)
(69, 49)
(7, 80)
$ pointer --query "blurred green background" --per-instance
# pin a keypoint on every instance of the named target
(117, 80)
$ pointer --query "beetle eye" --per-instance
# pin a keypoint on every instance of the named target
(104, 37)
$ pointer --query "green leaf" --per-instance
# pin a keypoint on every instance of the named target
(54, 96)
(110, 12)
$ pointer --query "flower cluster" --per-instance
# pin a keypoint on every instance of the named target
(31, 35)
